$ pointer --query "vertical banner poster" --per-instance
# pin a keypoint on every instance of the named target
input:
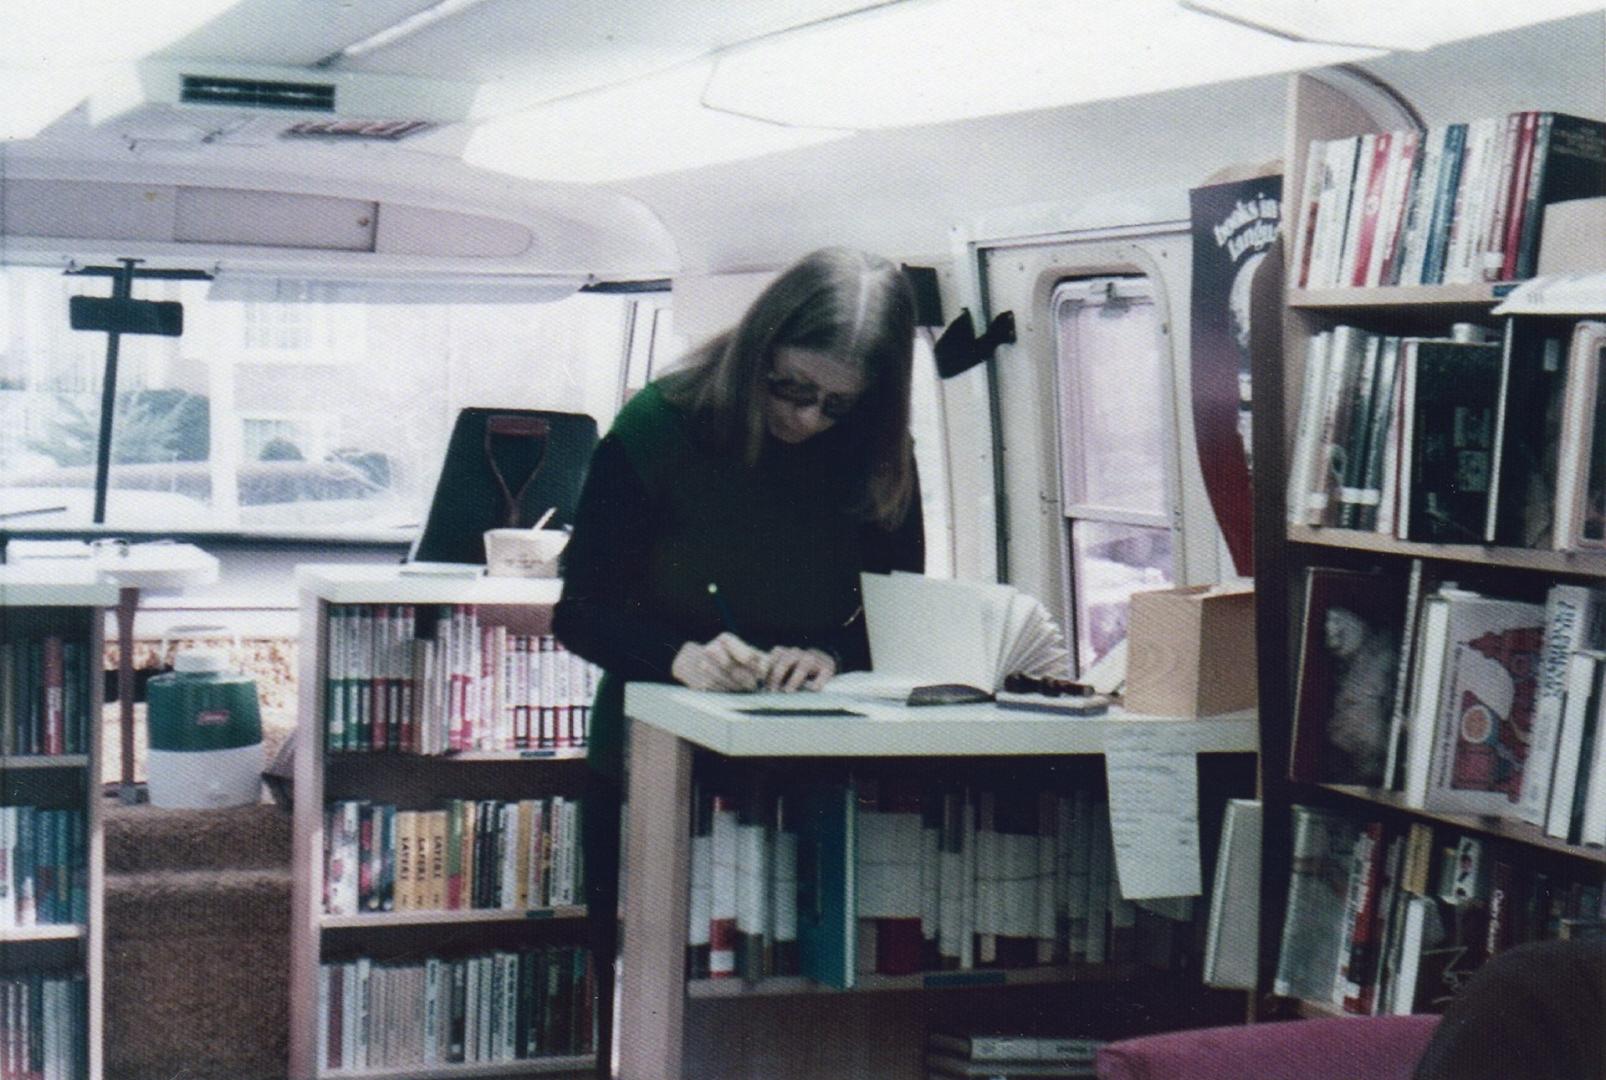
(1233, 225)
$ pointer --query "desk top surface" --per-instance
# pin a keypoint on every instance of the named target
(156, 566)
(831, 724)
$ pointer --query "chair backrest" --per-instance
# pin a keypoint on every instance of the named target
(504, 468)
(1338, 1048)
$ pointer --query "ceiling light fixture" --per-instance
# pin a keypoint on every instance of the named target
(1388, 24)
(930, 61)
(53, 53)
(641, 127)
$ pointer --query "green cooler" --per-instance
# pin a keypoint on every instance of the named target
(205, 735)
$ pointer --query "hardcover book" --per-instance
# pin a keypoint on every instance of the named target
(827, 883)
(1349, 653)
(1486, 705)
(1453, 391)
(1318, 885)
(1523, 506)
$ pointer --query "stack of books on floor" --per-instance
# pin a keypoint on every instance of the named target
(1006, 1057)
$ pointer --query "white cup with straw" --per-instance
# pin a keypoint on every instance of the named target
(531, 552)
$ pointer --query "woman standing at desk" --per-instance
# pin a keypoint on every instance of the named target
(727, 515)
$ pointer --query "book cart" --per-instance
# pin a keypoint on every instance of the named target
(1286, 317)
(52, 933)
(426, 932)
(791, 1026)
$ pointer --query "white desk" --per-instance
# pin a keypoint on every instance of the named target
(156, 567)
(667, 722)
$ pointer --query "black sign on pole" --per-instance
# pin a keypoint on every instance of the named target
(117, 315)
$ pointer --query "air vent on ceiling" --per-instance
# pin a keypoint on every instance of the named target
(212, 100)
(257, 93)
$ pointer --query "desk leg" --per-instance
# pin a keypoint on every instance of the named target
(127, 604)
(657, 882)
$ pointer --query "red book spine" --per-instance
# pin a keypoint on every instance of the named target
(1517, 205)
(55, 689)
(1364, 945)
(722, 916)
(1373, 203)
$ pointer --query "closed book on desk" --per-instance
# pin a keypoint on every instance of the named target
(827, 840)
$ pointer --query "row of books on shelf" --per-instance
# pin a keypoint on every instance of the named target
(1388, 920)
(435, 679)
(1008, 1056)
(44, 1024)
(1460, 202)
(43, 867)
(878, 875)
(44, 695)
(501, 1006)
(1455, 439)
(470, 854)
(1462, 702)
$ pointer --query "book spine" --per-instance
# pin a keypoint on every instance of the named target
(1444, 203)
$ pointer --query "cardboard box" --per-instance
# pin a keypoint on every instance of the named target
(1191, 651)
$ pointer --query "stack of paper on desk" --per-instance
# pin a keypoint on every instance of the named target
(937, 630)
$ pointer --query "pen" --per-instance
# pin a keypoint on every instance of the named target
(729, 622)
(725, 617)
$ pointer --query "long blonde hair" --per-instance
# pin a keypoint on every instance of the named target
(853, 306)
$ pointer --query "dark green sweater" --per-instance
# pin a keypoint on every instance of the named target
(661, 517)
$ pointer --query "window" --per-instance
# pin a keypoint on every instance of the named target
(277, 415)
(1114, 455)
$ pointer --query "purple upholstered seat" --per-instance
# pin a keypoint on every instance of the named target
(1340, 1048)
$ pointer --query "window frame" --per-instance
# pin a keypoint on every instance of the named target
(1070, 457)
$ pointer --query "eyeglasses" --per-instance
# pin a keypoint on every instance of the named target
(803, 394)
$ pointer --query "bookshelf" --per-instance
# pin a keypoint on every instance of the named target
(502, 760)
(672, 1027)
(1286, 318)
(57, 952)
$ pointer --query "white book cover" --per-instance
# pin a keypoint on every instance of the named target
(1232, 935)
(1421, 720)
(1584, 670)
(1573, 615)
(1308, 429)
(1309, 205)
(1592, 775)
(1482, 137)
(1355, 219)
(1580, 474)
(1486, 702)
(1418, 912)
(1391, 215)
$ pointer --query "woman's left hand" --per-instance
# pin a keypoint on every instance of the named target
(799, 669)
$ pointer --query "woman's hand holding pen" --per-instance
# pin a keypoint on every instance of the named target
(727, 663)
(798, 669)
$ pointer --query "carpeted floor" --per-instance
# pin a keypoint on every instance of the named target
(197, 934)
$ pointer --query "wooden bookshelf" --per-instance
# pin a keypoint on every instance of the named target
(547, 1066)
(74, 608)
(1480, 295)
(1316, 110)
(380, 919)
(410, 781)
(1590, 563)
(1506, 828)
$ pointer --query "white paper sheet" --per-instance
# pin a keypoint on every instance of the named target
(1154, 814)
